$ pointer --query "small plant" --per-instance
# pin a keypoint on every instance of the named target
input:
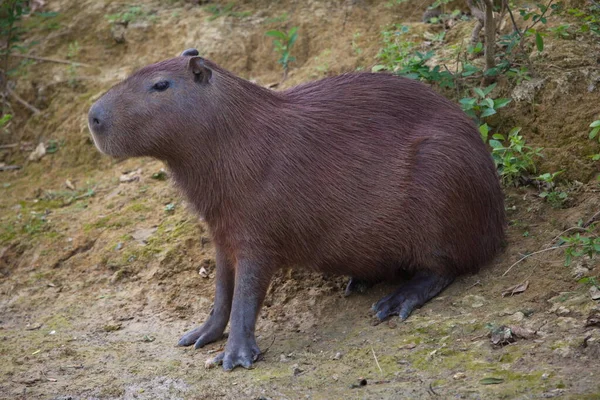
(515, 159)
(218, 10)
(579, 245)
(589, 18)
(562, 31)
(73, 50)
(283, 45)
(482, 106)
(556, 198)
(131, 14)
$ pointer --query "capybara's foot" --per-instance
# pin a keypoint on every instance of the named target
(411, 295)
(242, 354)
(357, 285)
(201, 335)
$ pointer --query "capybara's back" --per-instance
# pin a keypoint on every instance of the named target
(381, 171)
(365, 175)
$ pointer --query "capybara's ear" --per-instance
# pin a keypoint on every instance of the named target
(202, 73)
(190, 52)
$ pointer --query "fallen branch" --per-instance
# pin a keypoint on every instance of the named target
(23, 102)
(9, 167)
(54, 60)
(534, 253)
(8, 146)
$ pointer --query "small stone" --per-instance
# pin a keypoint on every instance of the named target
(296, 370)
(111, 327)
(203, 272)
(562, 310)
(38, 153)
(459, 375)
(283, 358)
(119, 246)
(337, 356)
(52, 333)
(595, 293)
(391, 324)
(335, 378)
(518, 316)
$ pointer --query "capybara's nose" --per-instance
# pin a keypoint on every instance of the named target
(97, 119)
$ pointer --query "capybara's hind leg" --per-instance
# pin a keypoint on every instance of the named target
(214, 326)
(421, 288)
(357, 285)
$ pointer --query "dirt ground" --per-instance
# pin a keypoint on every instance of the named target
(99, 280)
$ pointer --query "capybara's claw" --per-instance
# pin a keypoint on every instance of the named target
(243, 355)
(200, 336)
(410, 296)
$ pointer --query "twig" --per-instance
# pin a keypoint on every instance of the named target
(591, 220)
(23, 102)
(376, 362)
(565, 231)
(8, 146)
(54, 60)
(9, 167)
(512, 18)
(531, 254)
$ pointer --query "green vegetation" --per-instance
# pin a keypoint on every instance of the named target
(579, 245)
(218, 10)
(283, 43)
(514, 158)
(130, 14)
(555, 197)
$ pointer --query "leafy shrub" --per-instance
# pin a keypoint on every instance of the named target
(283, 45)
(515, 158)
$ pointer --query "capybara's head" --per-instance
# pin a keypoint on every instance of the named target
(149, 113)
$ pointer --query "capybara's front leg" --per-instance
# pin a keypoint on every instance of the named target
(214, 326)
(251, 283)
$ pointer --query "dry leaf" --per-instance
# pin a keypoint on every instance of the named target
(520, 288)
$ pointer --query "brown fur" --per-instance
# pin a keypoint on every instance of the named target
(359, 174)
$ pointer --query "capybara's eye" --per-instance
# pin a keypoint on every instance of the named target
(162, 85)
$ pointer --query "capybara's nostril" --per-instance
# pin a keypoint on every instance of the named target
(97, 119)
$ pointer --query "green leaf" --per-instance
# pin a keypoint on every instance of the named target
(491, 381)
(595, 124)
(495, 144)
(276, 34)
(378, 68)
(488, 112)
(479, 92)
(488, 102)
(484, 130)
(594, 132)
(489, 89)
(499, 103)
(539, 42)
(498, 136)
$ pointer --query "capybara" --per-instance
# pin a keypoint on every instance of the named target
(364, 175)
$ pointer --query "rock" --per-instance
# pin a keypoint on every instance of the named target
(595, 293)
(131, 176)
(296, 370)
(142, 235)
(38, 153)
(518, 316)
(459, 375)
(117, 31)
(563, 311)
(527, 89)
(337, 356)
(203, 273)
